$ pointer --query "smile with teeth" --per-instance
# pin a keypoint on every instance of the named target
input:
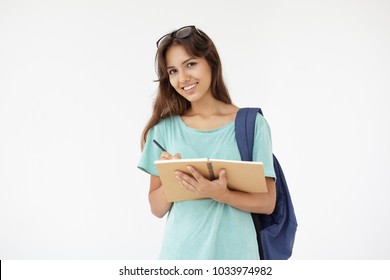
(189, 87)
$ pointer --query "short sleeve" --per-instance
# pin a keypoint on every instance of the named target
(150, 153)
(262, 150)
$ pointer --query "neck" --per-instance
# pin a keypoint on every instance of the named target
(208, 107)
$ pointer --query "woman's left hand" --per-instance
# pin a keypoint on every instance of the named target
(216, 189)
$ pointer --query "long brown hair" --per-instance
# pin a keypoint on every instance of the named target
(168, 102)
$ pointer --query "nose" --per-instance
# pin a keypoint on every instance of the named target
(183, 77)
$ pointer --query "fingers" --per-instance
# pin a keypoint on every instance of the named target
(168, 156)
(196, 183)
(165, 156)
(190, 182)
(195, 173)
(183, 177)
(195, 178)
(186, 183)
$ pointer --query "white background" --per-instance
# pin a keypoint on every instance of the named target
(76, 87)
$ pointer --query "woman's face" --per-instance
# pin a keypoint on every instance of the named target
(189, 76)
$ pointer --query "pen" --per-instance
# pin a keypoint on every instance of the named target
(158, 145)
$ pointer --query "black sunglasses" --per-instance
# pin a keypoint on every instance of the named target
(181, 33)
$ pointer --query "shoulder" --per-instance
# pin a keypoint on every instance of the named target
(166, 122)
(165, 125)
(261, 120)
(262, 126)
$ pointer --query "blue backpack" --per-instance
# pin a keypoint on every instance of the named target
(275, 232)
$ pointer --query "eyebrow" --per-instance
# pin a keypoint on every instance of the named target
(184, 62)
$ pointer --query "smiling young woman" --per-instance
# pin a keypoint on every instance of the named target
(193, 117)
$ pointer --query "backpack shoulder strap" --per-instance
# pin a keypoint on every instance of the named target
(245, 131)
(275, 232)
(245, 134)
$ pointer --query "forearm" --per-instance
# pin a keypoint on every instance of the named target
(262, 203)
(158, 202)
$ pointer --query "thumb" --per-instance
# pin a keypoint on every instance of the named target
(222, 175)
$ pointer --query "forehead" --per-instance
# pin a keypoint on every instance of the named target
(176, 54)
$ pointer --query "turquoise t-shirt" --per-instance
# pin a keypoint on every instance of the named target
(205, 229)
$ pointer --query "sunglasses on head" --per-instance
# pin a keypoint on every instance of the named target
(180, 33)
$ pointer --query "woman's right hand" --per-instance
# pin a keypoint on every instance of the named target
(168, 156)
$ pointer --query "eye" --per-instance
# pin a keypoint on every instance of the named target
(191, 64)
(171, 71)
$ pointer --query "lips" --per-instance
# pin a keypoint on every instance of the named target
(190, 87)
